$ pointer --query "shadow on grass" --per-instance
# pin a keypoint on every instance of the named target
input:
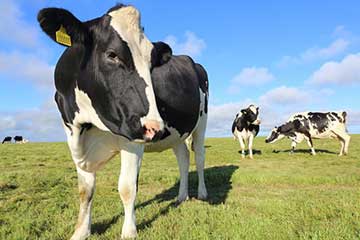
(255, 152)
(218, 183)
(102, 227)
(305, 151)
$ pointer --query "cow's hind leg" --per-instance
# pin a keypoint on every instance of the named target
(199, 149)
(86, 183)
(251, 140)
(130, 162)
(293, 146)
(182, 155)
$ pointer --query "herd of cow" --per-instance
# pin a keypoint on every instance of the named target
(117, 92)
(300, 126)
(17, 139)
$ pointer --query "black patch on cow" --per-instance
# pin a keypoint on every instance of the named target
(176, 86)
(160, 54)
(18, 138)
(319, 120)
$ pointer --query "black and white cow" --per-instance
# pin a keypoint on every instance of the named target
(119, 93)
(309, 125)
(20, 139)
(7, 140)
(245, 128)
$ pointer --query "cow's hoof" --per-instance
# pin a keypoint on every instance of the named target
(202, 195)
(129, 233)
(181, 199)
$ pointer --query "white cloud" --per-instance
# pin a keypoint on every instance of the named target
(345, 72)
(284, 96)
(192, 44)
(251, 76)
(27, 67)
(38, 124)
(315, 53)
(13, 29)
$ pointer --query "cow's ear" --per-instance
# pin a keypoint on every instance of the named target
(160, 54)
(62, 26)
(243, 111)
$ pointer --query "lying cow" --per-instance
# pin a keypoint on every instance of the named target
(7, 140)
(309, 125)
(118, 92)
(245, 128)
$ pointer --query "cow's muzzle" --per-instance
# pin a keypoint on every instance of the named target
(257, 122)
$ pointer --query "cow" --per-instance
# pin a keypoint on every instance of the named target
(20, 139)
(313, 125)
(245, 128)
(7, 140)
(117, 92)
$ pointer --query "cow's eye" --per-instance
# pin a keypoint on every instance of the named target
(113, 57)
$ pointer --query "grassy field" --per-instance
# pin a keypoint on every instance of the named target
(274, 196)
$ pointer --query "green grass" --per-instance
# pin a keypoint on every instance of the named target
(274, 196)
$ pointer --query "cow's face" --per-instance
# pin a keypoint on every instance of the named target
(274, 135)
(251, 114)
(108, 63)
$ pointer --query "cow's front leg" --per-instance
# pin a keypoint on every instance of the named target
(182, 156)
(242, 145)
(86, 183)
(130, 162)
(310, 143)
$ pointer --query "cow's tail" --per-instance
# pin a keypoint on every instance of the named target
(344, 115)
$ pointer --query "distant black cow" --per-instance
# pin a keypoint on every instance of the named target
(7, 140)
(245, 127)
(310, 125)
(18, 139)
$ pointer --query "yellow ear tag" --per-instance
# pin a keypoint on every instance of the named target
(62, 37)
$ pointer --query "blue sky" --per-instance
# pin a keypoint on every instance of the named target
(284, 56)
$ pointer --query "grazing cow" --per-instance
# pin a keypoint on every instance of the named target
(7, 140)
(309, 125)
(18, 139)
(119, 93)
(245, 128)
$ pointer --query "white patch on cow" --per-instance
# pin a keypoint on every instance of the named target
(126, 22)
(87, 113)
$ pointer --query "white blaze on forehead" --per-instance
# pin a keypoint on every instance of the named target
(126, 22)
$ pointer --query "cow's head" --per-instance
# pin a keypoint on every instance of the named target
(274, 135)
(251, 115)
(108, 62)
